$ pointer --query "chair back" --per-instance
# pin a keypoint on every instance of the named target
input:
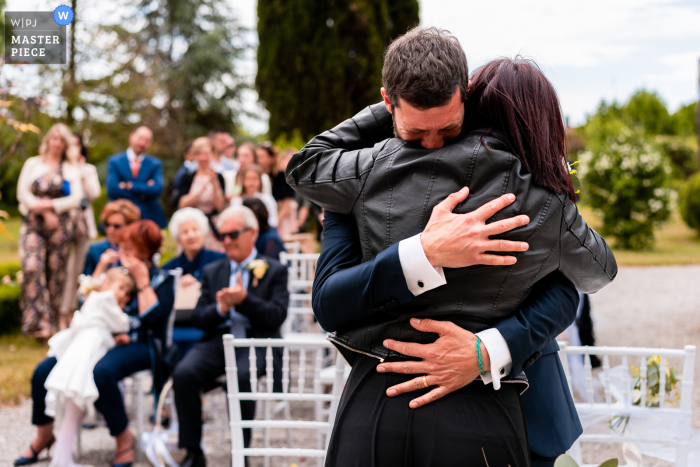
(177, 274)
(292, 247)
(625, 396)
(301, 392)
(302, 268)
(300, 317)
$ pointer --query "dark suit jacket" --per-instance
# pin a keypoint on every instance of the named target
(142, 194)
(347, 291)
(265, 306)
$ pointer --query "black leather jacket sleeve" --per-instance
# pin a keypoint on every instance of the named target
(584, 258)
(332, 168)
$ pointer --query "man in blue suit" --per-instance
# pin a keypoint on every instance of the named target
(138, 177)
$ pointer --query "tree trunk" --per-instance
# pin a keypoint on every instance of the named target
(697, 116)
(70, 86)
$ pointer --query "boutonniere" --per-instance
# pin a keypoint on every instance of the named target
(258, 267)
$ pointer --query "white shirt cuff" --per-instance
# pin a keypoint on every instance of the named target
(420, 275)
(499, 354)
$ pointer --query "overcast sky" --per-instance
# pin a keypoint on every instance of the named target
(592, 50)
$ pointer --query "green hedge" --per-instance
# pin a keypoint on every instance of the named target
(689, 201)
(10, 269)
(10, 312)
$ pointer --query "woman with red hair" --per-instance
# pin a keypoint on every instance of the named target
(148, 315)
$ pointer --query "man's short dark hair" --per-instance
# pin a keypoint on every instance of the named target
(215, 131)
(424, 67)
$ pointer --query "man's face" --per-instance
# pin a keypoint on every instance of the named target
(240, 248)
(140, 140)
(430, 127)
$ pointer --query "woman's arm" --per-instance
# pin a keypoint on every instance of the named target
(219, 198)
(91, 182)
(187, 199)
(71, 173)
(332, 168)
(106, 259)
(585, 258)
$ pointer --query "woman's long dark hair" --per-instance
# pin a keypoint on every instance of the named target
(515, 98)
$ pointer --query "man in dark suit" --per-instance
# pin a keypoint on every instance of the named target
(244, 294)
(138, 177)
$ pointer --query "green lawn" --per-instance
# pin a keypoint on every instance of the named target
(19, 355)
(676, 243)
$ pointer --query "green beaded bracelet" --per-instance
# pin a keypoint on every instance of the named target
(478, 355)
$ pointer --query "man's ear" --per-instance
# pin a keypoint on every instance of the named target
(387, 102)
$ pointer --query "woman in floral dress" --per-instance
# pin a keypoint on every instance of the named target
(49, 191)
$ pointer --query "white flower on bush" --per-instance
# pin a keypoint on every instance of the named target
(627, 181)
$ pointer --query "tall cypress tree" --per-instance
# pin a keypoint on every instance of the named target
(321, 62)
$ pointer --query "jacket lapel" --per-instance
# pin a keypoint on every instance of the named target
(124, 167)
(223, 275)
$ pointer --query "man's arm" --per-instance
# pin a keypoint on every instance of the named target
(548, 311)
(153, 190)
(206, 315)
(331, 169)
(382, 282)
(113, 189)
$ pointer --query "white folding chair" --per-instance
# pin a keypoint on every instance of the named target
(292, 247)
(302, 268)
(323, 427)
(622, 405)
(301, 322)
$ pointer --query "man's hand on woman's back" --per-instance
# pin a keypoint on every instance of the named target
(460, 240)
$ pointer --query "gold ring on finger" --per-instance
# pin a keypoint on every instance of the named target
(425, 381)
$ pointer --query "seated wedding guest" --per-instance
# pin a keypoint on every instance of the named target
(84, 232)
(224, 146)
(71, 385)
(114, 216)
(204, 188)
(189, 165)
(49, 191)
(244, 294)
(189, 227)
(251, 178)
(286, 197)
(138, 350)
(247, 155)
(267, 160)
(269, 242)
(138, 177)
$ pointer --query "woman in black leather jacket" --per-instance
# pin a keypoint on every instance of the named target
(513, 142)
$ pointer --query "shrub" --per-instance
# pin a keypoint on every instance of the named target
(689, 201)
(627, 183)
(10, 312)
(10, 269)
(682, 154)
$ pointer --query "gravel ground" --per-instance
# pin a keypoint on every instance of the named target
(651, 307)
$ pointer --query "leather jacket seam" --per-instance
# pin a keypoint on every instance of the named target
(436, 163)
(570, 230)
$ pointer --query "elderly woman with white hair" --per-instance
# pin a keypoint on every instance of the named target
(189, 227)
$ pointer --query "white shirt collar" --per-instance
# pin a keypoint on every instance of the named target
(245, 261)
(131, 155)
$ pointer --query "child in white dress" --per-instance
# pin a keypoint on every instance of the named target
(71, 385)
